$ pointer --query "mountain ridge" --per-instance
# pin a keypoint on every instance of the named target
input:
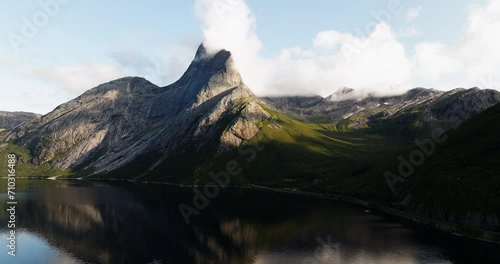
(130, 128)
(361, 113)
(115, 123)
(9, 120)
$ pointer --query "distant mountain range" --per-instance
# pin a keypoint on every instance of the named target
(425, 106)
(9, 120)
(131, 128)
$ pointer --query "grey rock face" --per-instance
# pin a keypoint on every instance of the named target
(111, 125)
(461, 104)
(337, 110)
(9, 120)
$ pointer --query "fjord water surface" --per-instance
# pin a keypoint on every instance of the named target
(96, 222)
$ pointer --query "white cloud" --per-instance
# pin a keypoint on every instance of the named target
(411, 32)
(471, 60)
(379, 58)
(414, 13)
(338, 59)
(433, 60)
(375, 62)
(378, 62)
(76, 79)
(23, 94)
(332, 39)
(230, 25)
(71, 80)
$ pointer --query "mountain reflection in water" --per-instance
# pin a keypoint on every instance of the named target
(80, 222)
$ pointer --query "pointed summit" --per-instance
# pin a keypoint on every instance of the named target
(209, 64)
(201, 52)
(207, 76)
(344, 93)
(204, 54)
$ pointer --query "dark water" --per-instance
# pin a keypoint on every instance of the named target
(82, 222)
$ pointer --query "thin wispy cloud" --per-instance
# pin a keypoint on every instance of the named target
(412, 32)
(414, 13)
(133, 60)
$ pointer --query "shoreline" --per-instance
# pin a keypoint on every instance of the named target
(455, 230)
(448, 228)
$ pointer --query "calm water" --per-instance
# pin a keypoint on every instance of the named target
(82, 222)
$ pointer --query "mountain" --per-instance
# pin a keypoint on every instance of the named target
(132, 128)
(342, 94)
(132, 120)
(9, 120)
(406, 115)
(459, 183)
(209, 120)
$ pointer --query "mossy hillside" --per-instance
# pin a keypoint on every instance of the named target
(406, 126)
(24, 168)
(316, 157)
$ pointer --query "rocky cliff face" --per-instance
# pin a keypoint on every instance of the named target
(111, 125)
(9, 120)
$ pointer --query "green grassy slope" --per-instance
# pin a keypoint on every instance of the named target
(314, 157)
(318, 157)
(24, 168)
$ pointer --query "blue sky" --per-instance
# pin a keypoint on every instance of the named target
(85, 43)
